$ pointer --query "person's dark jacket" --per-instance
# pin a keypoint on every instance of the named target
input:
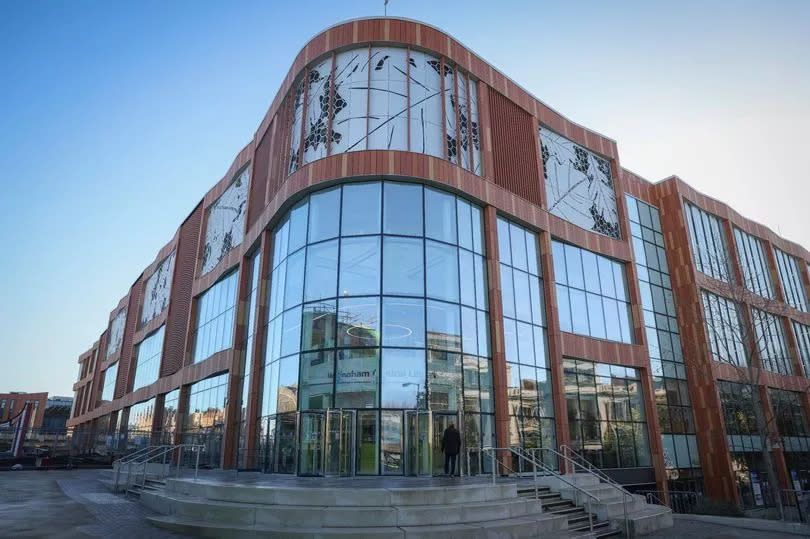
(451, 441)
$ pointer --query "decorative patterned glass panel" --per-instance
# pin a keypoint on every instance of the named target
(791, 278)
(158, 289)
(351, 101)
(388, 99)
(426, 104)
(579, 187)
(726, 335)
(225, 226)
(708, 243)
(117, 332)
(376, 92)
(475, 129)
(315, 142)
(754, 264)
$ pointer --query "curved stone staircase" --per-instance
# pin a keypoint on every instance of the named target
(475, 510)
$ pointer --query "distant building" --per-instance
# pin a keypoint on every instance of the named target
(11, 404)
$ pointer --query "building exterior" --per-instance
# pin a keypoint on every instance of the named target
(410, 240)
(11, 404)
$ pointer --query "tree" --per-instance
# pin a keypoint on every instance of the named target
(747, 331)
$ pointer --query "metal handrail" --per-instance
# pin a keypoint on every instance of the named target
(535, 464)
(599, 474)
(165, 451)
(133, 457)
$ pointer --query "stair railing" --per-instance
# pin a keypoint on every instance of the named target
(577, 461)
(134, 457)
(520, 453)
(154, 456)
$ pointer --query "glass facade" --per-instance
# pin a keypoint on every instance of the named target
(378, 301)
(675, 413)
(204, 423)
(110, 376)
(216, 312)
(744, 443)
(386, 98)
(791, 422)
(169, 425)
(254, 265)
(531, 406)
(606, 418)
(802, 333)
(754, 262)
(724, 329)
(708, 243)
(770, 338)
(150, 352)
(139, 424)
(591, 294)
(791, 278)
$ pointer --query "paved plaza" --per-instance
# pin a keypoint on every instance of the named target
(65, 504)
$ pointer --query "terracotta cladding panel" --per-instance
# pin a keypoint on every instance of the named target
(514, 149)
(258, 180)
(178, 317)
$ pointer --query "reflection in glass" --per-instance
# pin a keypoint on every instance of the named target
(443, 326)
(324, 215)
(403, 378)
(358, 322)
(361, 209)
(403, 266)
(359, 266)
(357, 378)
(322, 271)
(404, 322)
(403, 209)
(317, 376)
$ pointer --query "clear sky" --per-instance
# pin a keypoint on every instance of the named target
(116, 117)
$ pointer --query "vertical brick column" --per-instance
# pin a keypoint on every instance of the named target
(496, 338)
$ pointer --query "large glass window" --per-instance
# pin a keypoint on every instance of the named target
(591, 294)
(723, 326)
(204, 423)
(744, 442)
(754, 262)
(254, 267)
(110, 376)
(139, 425)
(791, 278)
(802, 333)
(150, 352)
(169, 420)
(770, 340)
(531, 404)
(675, 414)
(216, 309)
(606, 418)
(386, 98)
(707, 237)
(393, 309)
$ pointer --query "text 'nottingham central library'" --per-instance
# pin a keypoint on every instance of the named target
(409, 240)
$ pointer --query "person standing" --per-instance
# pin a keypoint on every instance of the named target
(451, 445)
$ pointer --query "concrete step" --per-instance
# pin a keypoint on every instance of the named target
(646, 520)
(336, 516)
(336, 496)
(613, 509)
(604, 491)
(542, 526)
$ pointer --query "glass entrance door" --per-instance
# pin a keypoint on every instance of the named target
(311, 443)
(417, 443)
(440, 423)
(340, 453)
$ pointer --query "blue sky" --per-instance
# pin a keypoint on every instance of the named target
(115, 118)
